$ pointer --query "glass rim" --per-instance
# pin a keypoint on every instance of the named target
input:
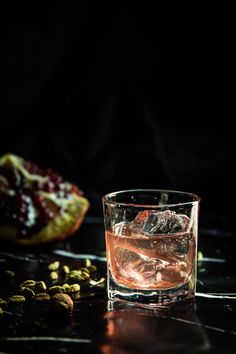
(195, 197)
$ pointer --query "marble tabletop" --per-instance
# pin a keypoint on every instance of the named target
(97, 325)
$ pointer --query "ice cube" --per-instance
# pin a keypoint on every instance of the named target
(140, 219)
(160, 222)
(122, 229)
(118, 228)
(179, 247)
(137, 268)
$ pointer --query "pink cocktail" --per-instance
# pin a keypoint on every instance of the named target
(151, 252)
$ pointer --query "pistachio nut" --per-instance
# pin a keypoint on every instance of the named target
(54, 275)
(54, 265)
(87, 262)
(66, 269)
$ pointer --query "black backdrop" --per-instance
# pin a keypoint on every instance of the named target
(118, 96)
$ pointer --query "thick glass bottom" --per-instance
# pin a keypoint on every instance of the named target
(153, 298)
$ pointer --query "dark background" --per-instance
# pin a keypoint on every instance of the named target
(117, 96)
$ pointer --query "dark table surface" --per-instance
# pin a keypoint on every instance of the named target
(99, 326)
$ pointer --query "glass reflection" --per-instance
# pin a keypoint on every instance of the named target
(130, 329)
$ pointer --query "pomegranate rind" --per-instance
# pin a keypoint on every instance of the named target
(64, 224)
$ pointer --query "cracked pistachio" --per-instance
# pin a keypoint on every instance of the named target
(28, 283)
(97, 282)
(86, 275)
(76, 275)
(40, 286)
(66, 287)
(17, 298)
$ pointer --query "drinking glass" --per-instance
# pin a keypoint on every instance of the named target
(151, 245)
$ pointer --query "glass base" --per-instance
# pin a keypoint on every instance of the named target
(152, 298)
